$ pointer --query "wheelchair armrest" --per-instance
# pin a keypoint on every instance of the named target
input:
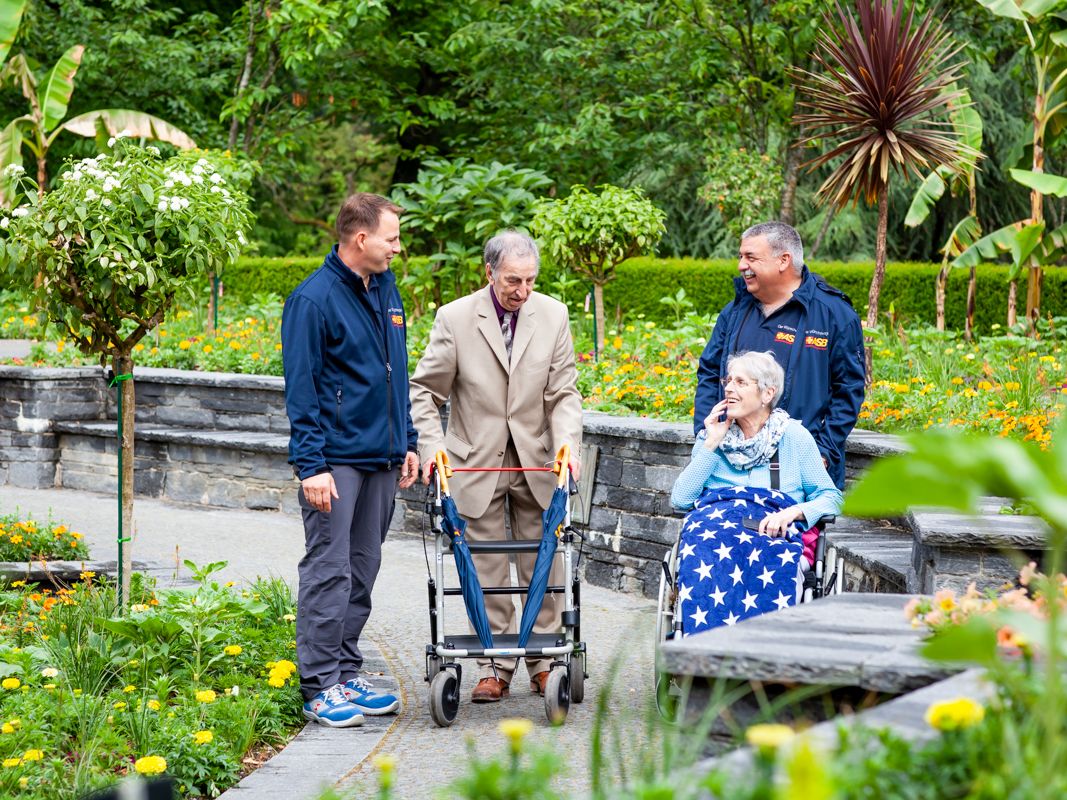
(823, 521)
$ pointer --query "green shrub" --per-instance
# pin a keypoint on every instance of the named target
(641, 282)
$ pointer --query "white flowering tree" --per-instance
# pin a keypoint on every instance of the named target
(114, 243)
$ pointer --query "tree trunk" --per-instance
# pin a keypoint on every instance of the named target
(830, 212)
(940, 290)
(788, 204)
(42, 173)
(972, 294)
(1012, 319)
(212, 304)
(1033, 283)
(123, 365)
(598, 312)
(879, 275)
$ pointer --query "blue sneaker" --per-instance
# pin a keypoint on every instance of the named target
(362, 695)
(331, 708)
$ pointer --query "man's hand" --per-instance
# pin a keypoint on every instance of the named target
(576, 468)
(409, 471)
(426, 468)
(318, 489)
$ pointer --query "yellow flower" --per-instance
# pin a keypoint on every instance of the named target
(207, 348)
(768, 738)
(203, 737)
(232, 649)
(7, 727)
(950, 715)
(138, 607)
(88, 575)
(184, 344)
(290, 617)
(119, 705)
(49, 686)
(384, 762)
(12, 762)
(130, 688)
(49, 672)
(154, 705)
(516, 730)
(285, 666)
(150, 765)
(24, 782)
(10, 683)
(205, 696)
(275, 680)
(32, 755)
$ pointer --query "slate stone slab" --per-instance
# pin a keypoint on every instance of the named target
(860, 640)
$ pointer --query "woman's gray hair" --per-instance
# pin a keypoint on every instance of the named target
(763, 368)
(510, 243)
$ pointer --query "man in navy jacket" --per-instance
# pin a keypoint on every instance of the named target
(809, 326)
(351, 443)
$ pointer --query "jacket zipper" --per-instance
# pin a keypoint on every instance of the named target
(337, 413)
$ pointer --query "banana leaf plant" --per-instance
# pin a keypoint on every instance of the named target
(968, 124)
(881, 101)
(48, 100)
(1031, 245)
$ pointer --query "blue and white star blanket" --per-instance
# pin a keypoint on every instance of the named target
(726, 572)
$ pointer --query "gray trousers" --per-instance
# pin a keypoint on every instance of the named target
(343, 551)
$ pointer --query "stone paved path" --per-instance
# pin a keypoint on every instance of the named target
(615, 626)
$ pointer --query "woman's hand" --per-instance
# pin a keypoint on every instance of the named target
(776, 525)
(715, 429)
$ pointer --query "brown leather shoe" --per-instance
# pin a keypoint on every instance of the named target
(538, 681)
(489, 690)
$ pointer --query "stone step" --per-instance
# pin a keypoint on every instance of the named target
(228, 468)
(877, 554)
(844, 640)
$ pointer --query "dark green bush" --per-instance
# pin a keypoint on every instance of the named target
(641, 282)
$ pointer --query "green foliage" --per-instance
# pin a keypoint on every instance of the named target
(450, 210)
(743, 185)
(184, 677)
(28, 540)
(592, 233)
(118, 238)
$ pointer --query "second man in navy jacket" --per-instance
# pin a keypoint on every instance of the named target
(351, 444)
(809, 326)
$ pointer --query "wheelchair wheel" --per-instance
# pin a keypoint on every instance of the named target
(444, 698)
(576, 676)
(557, 695)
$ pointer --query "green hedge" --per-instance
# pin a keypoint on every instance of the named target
(908, 289)
(641, 282)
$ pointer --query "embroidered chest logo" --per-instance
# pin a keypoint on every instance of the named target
(818, 342)
(782, 336)
(396, 316)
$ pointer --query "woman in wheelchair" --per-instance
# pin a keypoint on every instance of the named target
(756, 483)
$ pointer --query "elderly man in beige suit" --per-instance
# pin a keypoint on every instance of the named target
(504, 357)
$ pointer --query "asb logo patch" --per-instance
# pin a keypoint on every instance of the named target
(818, 342)
(782, 336)
(397, 320)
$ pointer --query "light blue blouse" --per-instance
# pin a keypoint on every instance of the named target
(802, 475)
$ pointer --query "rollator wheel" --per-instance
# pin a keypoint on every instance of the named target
(444, 698)
(433, 666)
(557, 695)
(576, 676)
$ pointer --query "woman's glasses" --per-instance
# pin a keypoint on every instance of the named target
(740, 383)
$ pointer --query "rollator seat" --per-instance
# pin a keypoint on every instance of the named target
(502, 546)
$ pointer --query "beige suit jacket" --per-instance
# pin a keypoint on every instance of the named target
(534, 400)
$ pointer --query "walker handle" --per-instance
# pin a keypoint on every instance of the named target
(562, 465)
(444, 471)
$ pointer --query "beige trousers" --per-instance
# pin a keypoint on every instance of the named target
(493, 569)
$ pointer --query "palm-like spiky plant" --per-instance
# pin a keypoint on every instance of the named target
(883, 101)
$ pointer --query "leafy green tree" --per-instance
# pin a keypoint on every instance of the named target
(964, 233)
(591, 234)
(881, 102)
(114, 242)
(1031, 245)
(451, 209)
(48, 101)
(744, 186)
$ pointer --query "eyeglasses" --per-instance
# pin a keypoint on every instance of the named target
(740, 383)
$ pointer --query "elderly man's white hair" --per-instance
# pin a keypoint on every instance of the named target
(510, 243)
(763, 368)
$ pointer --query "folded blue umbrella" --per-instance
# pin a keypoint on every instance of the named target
(552, 522)
(455, 526)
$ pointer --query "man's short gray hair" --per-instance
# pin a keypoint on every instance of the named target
(782, 238)
(763, 368)
(510, 244)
